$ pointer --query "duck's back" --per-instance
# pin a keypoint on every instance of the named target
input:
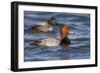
(43, 28)
(50, 42)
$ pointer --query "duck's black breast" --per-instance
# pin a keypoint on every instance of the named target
(65, 41)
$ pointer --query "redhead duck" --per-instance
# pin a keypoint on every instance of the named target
(64, 31)
(42, 27)
(46, 26)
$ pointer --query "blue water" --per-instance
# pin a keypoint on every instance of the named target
(80, 41)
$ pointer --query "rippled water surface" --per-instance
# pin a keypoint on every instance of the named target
(80, 41)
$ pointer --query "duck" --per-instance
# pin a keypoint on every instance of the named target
(64, 41)
(42, 27)
(45, 26)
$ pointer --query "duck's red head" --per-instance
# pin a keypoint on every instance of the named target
(64, 31)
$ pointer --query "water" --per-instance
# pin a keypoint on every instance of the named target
(80, 41)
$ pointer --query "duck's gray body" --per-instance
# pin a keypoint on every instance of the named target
(47, 42)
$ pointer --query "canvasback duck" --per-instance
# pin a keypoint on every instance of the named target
(64, 31)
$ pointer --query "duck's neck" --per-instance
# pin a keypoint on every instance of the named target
(64, 36)
(64, 40)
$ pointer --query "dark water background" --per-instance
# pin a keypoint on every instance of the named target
(80, 41)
